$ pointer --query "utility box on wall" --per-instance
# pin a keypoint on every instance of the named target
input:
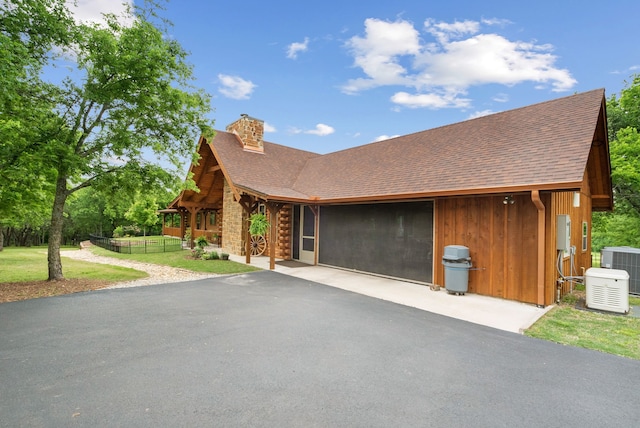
(563, 232)
(607, 289)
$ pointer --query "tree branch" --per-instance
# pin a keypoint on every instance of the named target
(89, 182)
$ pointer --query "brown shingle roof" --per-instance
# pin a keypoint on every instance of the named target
(270, 173)
(541, 146)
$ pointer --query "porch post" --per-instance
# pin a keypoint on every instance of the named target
(193, 211)
(249, 204)
(273, 209)
(192, 227)
(183, 221)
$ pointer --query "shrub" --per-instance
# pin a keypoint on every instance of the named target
(197, 253)
(201, 241)
(213, 255)
(118, 232)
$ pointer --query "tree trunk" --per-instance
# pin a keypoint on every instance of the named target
(55, 234)
(1, 238)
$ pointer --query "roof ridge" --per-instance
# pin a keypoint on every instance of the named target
(513, 110)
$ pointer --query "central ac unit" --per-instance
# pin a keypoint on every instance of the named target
(607, 289)
(623, 258)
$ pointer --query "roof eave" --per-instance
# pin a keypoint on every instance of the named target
(567, 186)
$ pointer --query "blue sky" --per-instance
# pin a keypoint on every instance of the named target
(326, 76)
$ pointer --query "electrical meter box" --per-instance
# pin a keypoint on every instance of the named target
(563, 232)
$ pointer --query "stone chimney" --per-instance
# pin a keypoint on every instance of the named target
(250, 131)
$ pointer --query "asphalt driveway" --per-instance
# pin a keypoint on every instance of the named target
(266, 349)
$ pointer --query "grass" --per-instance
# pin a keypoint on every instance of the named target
(23, 271)
(607, 332)
(181, 259)
(23, 275)
(30, 264)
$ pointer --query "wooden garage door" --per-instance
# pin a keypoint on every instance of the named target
(392, 239)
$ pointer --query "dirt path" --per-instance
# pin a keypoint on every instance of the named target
(157, 274)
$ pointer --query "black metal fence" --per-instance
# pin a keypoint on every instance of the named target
(137, 246)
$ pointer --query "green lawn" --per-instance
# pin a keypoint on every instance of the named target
(606, 332)
(181, 259)
(30, 264)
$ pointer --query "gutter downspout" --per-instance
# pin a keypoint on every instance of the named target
(535, 198)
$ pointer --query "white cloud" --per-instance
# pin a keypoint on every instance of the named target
(235, 87)
(269, 128)
(481, 113)
(91, 11)
(500, 98)
(431, 100)
(444, 31)
(294, 48)
(441, 71)
(321, 130)
(385, 137)
(377, 54)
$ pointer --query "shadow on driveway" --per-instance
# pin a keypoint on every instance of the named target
(266, 349)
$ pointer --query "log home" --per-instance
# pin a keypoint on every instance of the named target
(503, 185)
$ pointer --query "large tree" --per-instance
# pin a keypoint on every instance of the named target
(29, 31)
(128, 95)
(622, 226)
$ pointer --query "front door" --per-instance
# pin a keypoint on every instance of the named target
(307, 235)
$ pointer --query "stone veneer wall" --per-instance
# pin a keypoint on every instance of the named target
(251, 132)
(233, 219)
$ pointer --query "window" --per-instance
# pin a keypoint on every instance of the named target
(585, 232)
(212, 218)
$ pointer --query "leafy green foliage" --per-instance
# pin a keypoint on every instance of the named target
(622, 227)
(128, 95)
(258, 224)
(143, 212)
(201, 241)
(29, 29)
(211, 255)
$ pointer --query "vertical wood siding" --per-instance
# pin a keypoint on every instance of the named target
(502, 241)
(562, 203)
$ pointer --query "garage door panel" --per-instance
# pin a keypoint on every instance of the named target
(393, 239)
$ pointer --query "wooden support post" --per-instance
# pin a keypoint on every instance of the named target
(249, 204)
(194, 213)
(273, 209)
(183, 220)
